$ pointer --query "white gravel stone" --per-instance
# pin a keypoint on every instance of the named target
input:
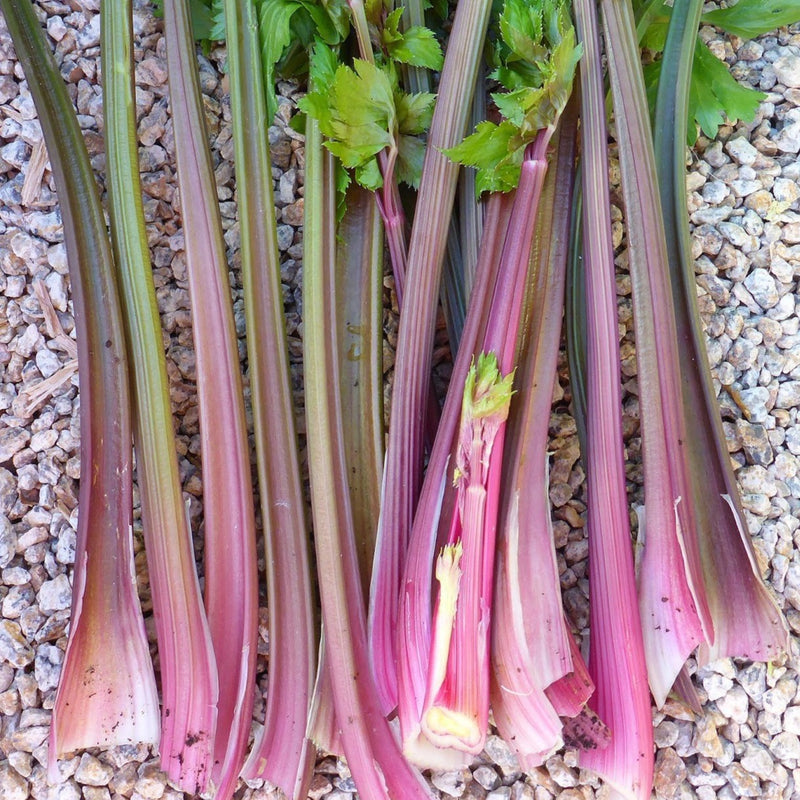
(740, 150)
(55, 595)
(452, 783)
(787, 70)
(12, 785)
(93, 772)
(791, 720)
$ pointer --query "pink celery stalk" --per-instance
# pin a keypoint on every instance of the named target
(230, 552)
(752, 626)
(189, 694)
(373, 755)
(107, 692)
(672, 599)
(280, 753)
(402, 477)
(616, 655)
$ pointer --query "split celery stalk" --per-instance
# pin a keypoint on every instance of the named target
(189, 686)
(280, 753)
(456, 706)
(752, 626)
(230, 546)
(414, 629)
(616, 653)
(372, 753)
(531, 647)
(672, 599)
(107, 693)
(403, 473)
(455, 712)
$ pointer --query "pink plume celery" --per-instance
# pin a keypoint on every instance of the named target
(230, 551)
(188, 670)
(453, 716)
(281, 752)
(616, 655)
(402, 476)
(372, 753)
(107, 692)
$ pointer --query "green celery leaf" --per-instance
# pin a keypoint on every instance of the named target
(369, 175)
(655, 35)
(275, 32)
(217, 32)
(356, 112)
(417, 47)
(715, 95)
(521, 26)
(536, 62)
(751, 18)
(414, 111)
(410, 155)
(322, 69)
(496, 151)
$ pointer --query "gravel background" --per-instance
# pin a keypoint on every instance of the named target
(744, 207)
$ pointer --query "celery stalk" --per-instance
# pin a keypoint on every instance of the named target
(230, 553)
(753, 627)
(616, 654)
(369, 745)
(189, 696)
(107, 692)
(280, 753)
(672, 599)
(359, 266)
(402, 477)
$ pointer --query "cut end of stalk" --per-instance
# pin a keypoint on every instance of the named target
(448, 727)
(107, 696)
(421, 752)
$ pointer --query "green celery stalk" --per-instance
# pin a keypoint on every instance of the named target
(752, 627)
(403, 473)
(189, 694)
(107, 692)
(359, 266)
(231, 580)
(281, 753)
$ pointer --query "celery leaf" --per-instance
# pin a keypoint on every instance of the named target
(751, 18)
(535, 61)
(361, 112)
(417, 46)
(715, 95)
(274, 24)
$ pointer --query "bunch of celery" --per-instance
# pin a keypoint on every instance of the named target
(429, 605)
